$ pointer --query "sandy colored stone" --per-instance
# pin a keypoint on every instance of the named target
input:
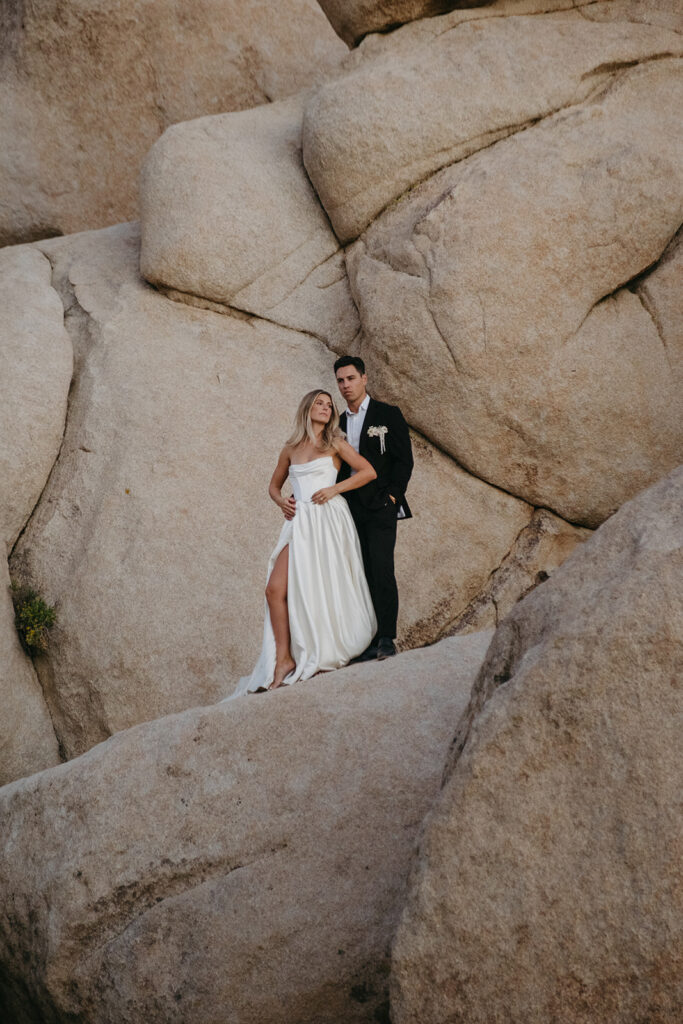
(377, 131)
(493, 293)
(88, 86)
(353, 19)
(229, 215)
(406, 38)
(35, 373)
(236, 864)
(665, 13)
(661, 293)
(27, 739)
(461, 532)
(541, 547)
(548, 882)
(153, 535)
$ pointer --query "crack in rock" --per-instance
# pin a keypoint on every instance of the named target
(134, 900)
(223, 309)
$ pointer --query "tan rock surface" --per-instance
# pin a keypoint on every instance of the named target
(353, 19)
(461, 532)
(228, 214)
(661, 293)
(492, 292)
(405, 38)
(242, 863)
(665, 13)
(153, 534)
(35, 373)
(27, 739)
(541, 547)
(394, 120)
(548, 881)
(88, 86)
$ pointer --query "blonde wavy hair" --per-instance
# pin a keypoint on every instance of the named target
(303, 428)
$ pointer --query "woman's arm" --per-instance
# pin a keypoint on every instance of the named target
(364, 471)
(363, 475)
(288, 505)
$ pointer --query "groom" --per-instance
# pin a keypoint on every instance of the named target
(380, 434)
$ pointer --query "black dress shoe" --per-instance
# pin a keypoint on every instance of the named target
(385, 648)
(369, 654)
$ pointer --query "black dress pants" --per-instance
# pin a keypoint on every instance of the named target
(377, 535)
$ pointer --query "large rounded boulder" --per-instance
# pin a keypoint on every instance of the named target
(240, 864)
(86, 87)
(506, 292)
(547, 884)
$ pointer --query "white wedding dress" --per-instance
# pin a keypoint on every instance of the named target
(331, 618)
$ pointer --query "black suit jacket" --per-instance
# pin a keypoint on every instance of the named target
(393, 465)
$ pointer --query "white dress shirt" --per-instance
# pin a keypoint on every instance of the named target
(354, 423)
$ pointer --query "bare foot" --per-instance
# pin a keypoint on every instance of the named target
(282, 670)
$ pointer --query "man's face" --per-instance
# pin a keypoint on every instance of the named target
(352, 384)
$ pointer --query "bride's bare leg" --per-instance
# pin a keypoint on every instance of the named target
(276, 596)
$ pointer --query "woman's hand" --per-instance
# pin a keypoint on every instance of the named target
(288, 506)
(324, 495)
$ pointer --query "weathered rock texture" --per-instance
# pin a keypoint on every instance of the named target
(400, 116)
(229, 215)
(462, 531)
(36, 366)
(495, 293)
(548, 885)
(27, 738)
(665, 13)
(353, 19)
(198, 871)
(35, 373)
(541, 547)
(153, 533)
(86, 87)
(661, 293)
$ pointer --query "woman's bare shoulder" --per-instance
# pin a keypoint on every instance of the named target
(286, 453)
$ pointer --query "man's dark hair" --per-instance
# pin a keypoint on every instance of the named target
(354, 361)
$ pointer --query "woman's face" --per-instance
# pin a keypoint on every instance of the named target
(321, 410)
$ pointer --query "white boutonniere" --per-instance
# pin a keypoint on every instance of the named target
(381, 433)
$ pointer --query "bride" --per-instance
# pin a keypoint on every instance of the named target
(319, 613)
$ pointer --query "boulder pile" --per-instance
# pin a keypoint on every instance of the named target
(484, 201)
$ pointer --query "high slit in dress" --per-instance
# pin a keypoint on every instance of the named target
(331, 617)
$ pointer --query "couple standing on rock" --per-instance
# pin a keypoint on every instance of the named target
(331, 593)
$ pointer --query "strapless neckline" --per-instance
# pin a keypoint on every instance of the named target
(299, 465)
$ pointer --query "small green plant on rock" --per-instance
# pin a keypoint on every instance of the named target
(33, 618)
